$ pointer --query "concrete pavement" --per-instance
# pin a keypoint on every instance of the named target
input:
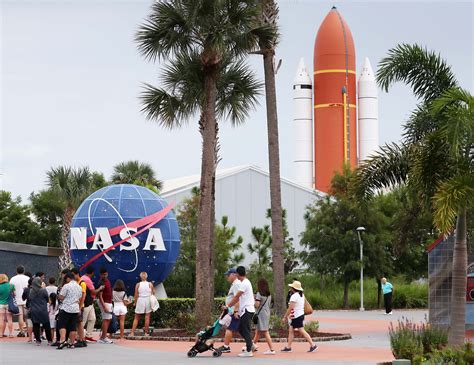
(370, 344)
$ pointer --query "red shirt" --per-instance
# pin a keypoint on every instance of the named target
(107, 293)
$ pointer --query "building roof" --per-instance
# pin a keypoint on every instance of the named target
(180, 184)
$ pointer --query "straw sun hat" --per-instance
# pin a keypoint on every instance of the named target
(296, 285)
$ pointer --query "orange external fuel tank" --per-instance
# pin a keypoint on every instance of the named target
(335, 114)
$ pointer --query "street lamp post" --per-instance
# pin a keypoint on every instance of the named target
(361, 244)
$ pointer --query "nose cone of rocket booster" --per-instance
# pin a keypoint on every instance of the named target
(368, 112)
(303, 126)
(334, 99)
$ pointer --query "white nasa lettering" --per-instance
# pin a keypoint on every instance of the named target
(155, 239)
(126, 234)
(102, 238)
(79, 238)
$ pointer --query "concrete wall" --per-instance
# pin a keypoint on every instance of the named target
(33, 258)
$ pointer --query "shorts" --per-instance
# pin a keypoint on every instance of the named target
(120, 309)
(52, 323)
(67, 320)
(297, 322)
(103, 313)
(234, 324)
(3, 308)
(143, 305)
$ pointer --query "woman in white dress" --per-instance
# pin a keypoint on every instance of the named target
(143, 292)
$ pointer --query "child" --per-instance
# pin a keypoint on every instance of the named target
(119, 298)
(52, 312)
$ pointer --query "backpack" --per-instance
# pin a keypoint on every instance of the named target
(88, 300)
(114, 325)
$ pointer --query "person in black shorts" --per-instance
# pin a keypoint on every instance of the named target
(70, 296)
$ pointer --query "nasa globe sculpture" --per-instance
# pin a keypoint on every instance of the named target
(127, 229)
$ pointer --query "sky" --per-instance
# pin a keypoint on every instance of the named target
(71, 76)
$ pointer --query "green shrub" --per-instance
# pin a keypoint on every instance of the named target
(405, 341)
(432, 337)
(173, 313)
(451, 356)
(311, 326)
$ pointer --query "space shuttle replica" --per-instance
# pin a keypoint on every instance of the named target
(334, 122)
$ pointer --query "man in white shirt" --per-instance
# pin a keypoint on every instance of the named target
(231, 276)
(20, 282)
(246, 301)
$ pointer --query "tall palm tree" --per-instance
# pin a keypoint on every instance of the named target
(71, 186)
(455, 193)
(269, 17)
(435, 158)
(138, 173)
(204, 42)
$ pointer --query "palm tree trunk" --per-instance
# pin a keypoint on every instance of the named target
(459, 283)
(205, 224)
(65, 261)
(275, 188)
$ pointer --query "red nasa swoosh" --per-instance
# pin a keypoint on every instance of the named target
(149, 221)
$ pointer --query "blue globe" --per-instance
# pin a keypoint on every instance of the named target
(126, 229)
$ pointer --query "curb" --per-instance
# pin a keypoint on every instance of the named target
(338, 337)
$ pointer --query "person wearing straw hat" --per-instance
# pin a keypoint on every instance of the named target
(295, 313)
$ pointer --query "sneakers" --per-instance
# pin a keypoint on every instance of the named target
(224, 349)
(246, 354)
(269, 352)
(21, 334)
(287, 349)
(389, 313)
(81, 344)
(90, 339)
(313, 348)
(106, 341)
(38, 343)
(254, 348)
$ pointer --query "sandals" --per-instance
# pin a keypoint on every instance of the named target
(62, 345)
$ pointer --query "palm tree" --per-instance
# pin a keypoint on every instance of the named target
(204, 42)
(138, 173)
(435, 158)
(71, 186)
(268, 17)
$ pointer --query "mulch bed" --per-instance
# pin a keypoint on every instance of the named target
(277, 336)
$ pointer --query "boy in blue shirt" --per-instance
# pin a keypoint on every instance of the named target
(387, 289)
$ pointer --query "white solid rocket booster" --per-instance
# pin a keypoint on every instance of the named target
(368, 112)
(303, 126)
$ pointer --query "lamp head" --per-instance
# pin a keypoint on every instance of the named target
(360, 229)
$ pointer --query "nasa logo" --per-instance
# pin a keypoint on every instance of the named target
(127, 229)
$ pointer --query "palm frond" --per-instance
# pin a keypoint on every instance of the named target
(420, 124)
(238, 90)
(166, 31)
(452, 196)
(167, 109)
(424, 71)
(387, 168)
(456, 108)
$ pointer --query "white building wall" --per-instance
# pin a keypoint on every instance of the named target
(244, 198)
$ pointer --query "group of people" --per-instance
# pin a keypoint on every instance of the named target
(64, 315)
(244, 307)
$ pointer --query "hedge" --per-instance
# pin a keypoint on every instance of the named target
(173, 313)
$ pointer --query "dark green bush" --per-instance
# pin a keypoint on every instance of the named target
(173, 313)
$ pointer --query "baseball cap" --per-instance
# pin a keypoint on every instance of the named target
(231, 271)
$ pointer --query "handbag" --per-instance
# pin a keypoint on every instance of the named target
(12, 305)
(255, 316)
(307, 307)
(113, 325)
(155, 305)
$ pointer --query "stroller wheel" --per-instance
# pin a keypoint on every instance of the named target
(192, 353)
(217, 353)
